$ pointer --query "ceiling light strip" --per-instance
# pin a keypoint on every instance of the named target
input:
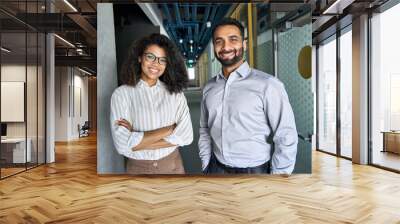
(65, 41)
(84, 71)
(70, 5)
(5, 49)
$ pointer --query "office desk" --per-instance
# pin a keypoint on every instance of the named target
(391, 141)
(13, 150)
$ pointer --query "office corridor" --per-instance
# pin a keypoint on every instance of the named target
(70, 191)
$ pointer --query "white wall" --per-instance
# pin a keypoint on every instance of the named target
(79, 117)
(61, 103)
(33, 126)
(69, 82)
(17, 73)
(13, 72)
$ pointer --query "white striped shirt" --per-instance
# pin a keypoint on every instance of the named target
(149, 108)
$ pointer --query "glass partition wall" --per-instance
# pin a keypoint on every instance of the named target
(292, 34)
(22, 77)
(277, 36)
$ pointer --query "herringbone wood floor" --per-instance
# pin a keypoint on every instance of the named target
(70, 191)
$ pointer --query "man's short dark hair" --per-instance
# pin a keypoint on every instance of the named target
(228, 21)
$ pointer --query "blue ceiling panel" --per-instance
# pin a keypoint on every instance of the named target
(186, 24)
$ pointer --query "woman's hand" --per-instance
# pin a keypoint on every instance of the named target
(124, 123)
(153, 139)
(171, 129)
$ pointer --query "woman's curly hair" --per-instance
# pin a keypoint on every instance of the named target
(175, 75)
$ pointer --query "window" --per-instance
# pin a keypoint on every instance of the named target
(346, 93)
(327, 96)
(385, 88)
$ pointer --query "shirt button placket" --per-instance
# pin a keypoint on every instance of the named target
(229, 82)
(224, 110)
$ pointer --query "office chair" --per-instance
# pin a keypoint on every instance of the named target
(84, 130)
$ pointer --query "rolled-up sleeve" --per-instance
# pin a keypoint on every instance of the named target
(183, 132)
(204, 138)
(124, 140)
(281, 118)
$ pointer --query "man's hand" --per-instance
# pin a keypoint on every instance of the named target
(124, 123)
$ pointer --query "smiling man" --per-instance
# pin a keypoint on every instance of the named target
(247, 123)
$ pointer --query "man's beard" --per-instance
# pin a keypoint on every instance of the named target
(228, 62)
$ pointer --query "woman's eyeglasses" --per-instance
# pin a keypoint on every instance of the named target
(151, 58)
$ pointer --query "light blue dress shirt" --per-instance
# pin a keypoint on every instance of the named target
(242, 117)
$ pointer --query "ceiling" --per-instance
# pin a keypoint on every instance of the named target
(330, 15)
(76, 24)
(189, 25)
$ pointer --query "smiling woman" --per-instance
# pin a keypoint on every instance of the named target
(142, 56)
(150, 117)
